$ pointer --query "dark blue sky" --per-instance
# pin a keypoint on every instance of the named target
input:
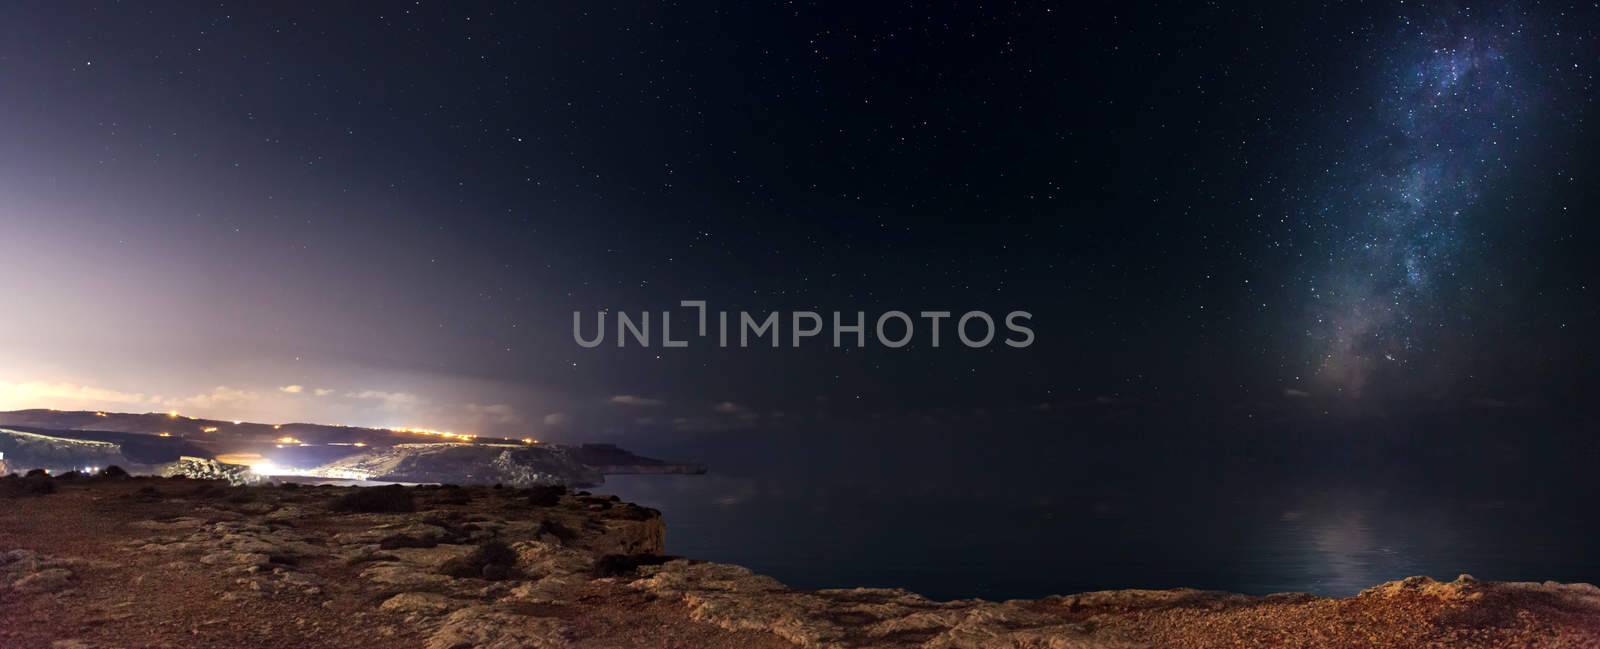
(386, 215)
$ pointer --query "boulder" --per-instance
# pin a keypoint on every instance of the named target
(483, 627)
(48, 580)
(420, 604)
(199, 468)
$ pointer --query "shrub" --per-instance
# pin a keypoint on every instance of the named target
(205, 491)
(391, 499)
(453, 497)
(626, 565)
(38, 487)
(492, 560)
(405, 541)
(30, 485)
(113, 471)
(546, 495)
(556, 529)
(147, 494)
(632, 512)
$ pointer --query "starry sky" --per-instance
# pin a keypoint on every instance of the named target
(386, 214)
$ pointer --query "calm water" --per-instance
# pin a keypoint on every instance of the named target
(947, 533)
(1332, 543)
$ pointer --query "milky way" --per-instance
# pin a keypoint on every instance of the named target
(1400, 230)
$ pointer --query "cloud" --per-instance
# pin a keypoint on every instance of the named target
(1295, 394)
(34, 394)
(390, 400)
(43, 394)
(322, 392)
(292, 389)
(556, 419)
(498, 413)
(631, 400)
(219, 395)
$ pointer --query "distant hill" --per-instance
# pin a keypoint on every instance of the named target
(194, 428)
(153, 438)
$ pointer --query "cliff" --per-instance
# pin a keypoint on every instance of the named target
(31, 450)
(505, 464)
(146, 562)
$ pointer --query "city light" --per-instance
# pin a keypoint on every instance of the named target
(436, 433)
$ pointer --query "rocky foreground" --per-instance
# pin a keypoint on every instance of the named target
(151, 562)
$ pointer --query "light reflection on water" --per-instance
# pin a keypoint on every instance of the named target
(1327, 542)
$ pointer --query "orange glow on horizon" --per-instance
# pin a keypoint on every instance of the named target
(465, 437)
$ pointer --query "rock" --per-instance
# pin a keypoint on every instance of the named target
(555, 589)
(402, 576)
(375, 536)
(420, 604)
(11, 560)
(250, 544)
(430, 558)
(482, 627)
(366, 554)
(298, 580)
(48, 580)
(540, 558)
(630, 537)
(228, 557)
(199, 468)
(674, 578)
(182, 524)
(736, 599)
(1420, 586)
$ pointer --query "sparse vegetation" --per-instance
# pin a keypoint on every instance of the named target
(557, 529)
(546, 495)
(492, 560)
(146, 494)
(206, 491)
(391, 499)
(32, 484)
(452, 497)
(394, 541)
(626, 565)
(632, 512)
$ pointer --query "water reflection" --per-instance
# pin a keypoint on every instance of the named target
(1327, 541)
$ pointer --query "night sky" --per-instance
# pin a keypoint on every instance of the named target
(386, 214)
